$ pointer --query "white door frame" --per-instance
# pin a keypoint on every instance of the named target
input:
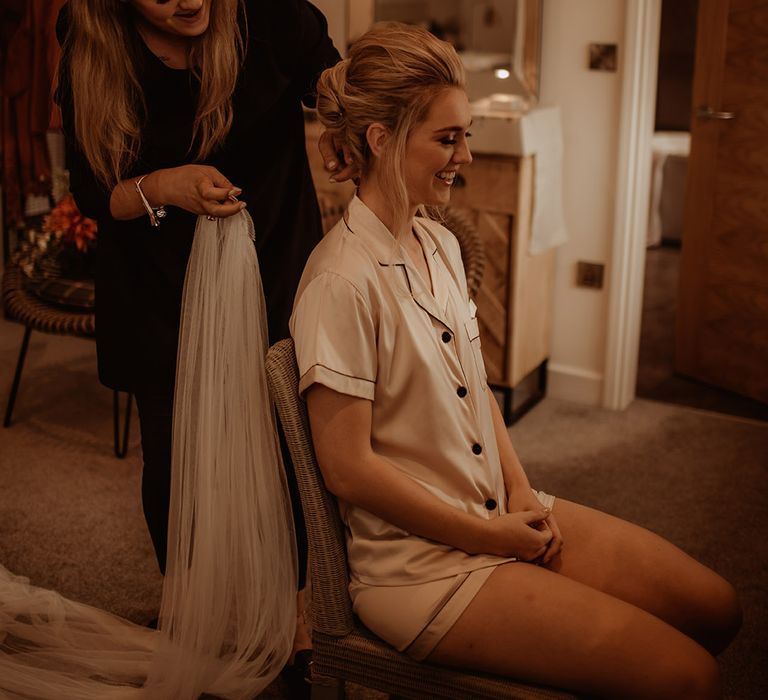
(627, 268)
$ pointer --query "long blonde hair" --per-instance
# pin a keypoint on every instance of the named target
(393, 73)
(102, 47)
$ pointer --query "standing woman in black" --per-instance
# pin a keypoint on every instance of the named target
(173, 109)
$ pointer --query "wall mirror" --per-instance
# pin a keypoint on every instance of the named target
(499, 40)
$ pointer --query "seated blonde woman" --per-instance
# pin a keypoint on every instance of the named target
(453, 557)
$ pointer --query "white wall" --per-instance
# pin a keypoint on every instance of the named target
(590, 104)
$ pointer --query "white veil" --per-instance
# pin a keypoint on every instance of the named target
(228, 608)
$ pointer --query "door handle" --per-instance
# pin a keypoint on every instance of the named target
(706, 112)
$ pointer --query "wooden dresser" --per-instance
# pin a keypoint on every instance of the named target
(515, 298)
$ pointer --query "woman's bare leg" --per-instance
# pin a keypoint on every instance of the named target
(533, 624)
(631, 563)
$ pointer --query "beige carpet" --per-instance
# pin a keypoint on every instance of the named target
(70, 516)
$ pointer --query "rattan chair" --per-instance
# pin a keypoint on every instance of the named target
(22, 306)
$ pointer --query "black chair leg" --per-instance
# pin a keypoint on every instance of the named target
(17, 377)
(121, 446)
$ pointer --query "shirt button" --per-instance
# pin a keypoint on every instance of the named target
(446, 337)
(490, 504)
(461, 391)
(477, 449)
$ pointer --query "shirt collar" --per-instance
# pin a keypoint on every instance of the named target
(361, 221)
(378, 238)
(424, 236)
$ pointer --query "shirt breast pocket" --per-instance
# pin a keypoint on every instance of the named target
(473, 334)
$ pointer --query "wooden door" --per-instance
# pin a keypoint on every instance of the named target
(722, 325)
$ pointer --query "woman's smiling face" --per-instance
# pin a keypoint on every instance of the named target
(185, 18)
(436, 148)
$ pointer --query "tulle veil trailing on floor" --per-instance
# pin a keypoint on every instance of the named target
(228, 607)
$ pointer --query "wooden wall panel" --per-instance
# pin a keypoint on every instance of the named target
(515, 299)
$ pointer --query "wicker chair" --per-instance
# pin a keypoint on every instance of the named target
(22, 306)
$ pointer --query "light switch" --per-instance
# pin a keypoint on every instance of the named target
(589, 274)
(603, 57)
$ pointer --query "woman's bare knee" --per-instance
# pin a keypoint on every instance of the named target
(641, 568)
(653, 660)
(720, 616)
(730, 619)
(694, 676)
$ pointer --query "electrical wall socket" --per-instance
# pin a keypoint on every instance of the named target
(589, 274)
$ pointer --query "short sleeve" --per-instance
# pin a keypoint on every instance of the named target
(335, 337)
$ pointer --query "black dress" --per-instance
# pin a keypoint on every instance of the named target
(140, 269)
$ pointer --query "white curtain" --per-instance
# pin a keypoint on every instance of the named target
(228, 612)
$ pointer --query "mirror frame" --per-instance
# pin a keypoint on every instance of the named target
(531, 77)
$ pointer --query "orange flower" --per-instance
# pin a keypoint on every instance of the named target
(67, 223)
(83, 233)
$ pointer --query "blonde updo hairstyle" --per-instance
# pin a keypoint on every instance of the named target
(392, 75)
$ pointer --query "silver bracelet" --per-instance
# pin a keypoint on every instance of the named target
(154, 213)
